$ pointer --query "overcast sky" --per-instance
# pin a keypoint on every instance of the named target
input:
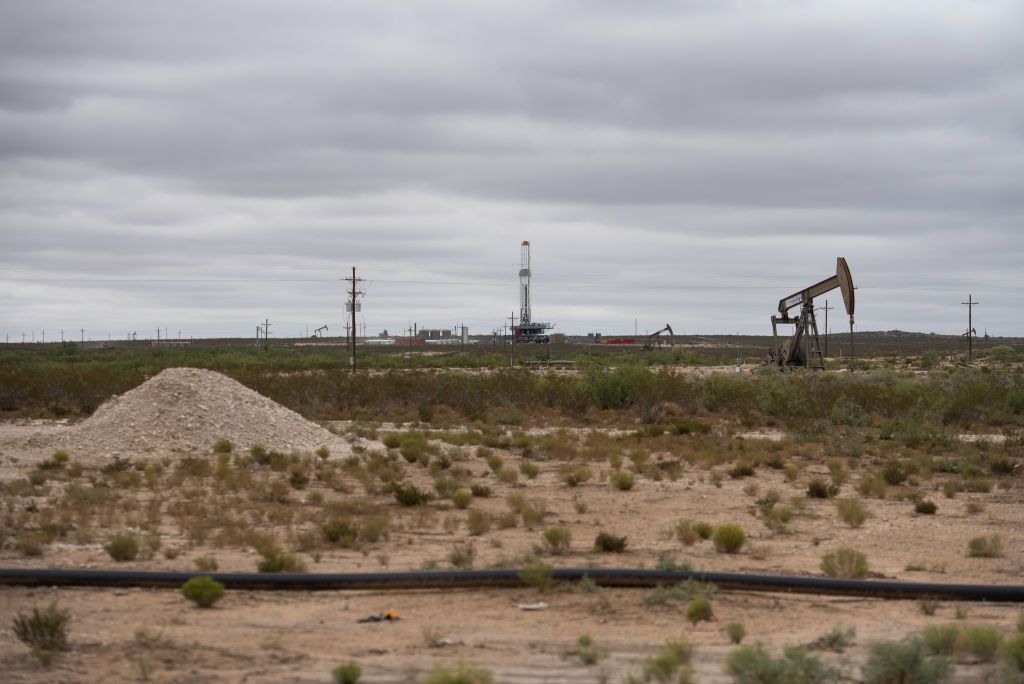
(202, 166)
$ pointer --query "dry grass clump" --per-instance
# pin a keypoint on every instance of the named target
(122, 546)
(623, 480)
(852, 512)
(557, 540)
(607, 542)
(45, 631)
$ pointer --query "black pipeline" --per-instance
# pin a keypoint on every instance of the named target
(482, 579)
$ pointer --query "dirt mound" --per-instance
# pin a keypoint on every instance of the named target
(186, 410)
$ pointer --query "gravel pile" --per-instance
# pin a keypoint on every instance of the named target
(186, 410)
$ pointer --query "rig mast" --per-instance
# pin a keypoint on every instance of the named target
(528, 330)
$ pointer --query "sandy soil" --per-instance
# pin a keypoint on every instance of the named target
(150, 635)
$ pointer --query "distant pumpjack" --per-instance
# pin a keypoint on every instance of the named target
(803, 348)
(654, 339)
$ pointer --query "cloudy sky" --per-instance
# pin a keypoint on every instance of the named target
(202, 166)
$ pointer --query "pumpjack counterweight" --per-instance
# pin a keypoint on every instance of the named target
(803, 348)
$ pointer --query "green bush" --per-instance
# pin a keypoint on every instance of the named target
(940, 639)
(206, 563)
(925, 507)
(45, 631)
(735, 631)
(623, 480)
(122, 546)
(985, 547)
(340, 531)
(980, 642)
(609, 543)
(671, 663)
(819, 488)
(537, 574)
(557, 539)
(753, 665)
(275, 560)
(204, 591)
(409, 494)
(845, 563)
(349, 673)
(463, 673)
(223, 446)
(905, 662)
(461, 498)
(530, 470)
(1012, 654)
(699, 610)
(729, 538)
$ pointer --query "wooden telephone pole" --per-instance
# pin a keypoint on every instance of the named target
(970, 304)
(354, 306)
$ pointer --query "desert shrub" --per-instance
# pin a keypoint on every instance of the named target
(276, 560)
(979, 642)
(323, 453)
(494, 461)
(609, 543)
(392, 440)
(940, 639)
(463, 673)
(587, 651)
(507, 475)
(836, 639)
(537, 574)
(623, 480)
(905, 662)
(480, 491)
(409, 494)
(479, 522)
(462, 555)
(703, 530)
(852, 512)
(207, 563)
(753, 665)
(461, 498)
(688, 426)
(685, 532)
(845, 411)
(223, 446)
(735, 631)
(741, 469)
(557, 539)
(340, 531)
(1012, 655)
(45, 630)
(445, 486)
(203, 590)
(985, 547)
(845, 563)
(574, 475)
(530, 470)
(875, 487)
(30, 544)
(729, 538)
(699, 610)
(925, 506)
(894, 473)
(671, 663)
(259, 454)
(349, 673)
(819, 488)
(122, 546)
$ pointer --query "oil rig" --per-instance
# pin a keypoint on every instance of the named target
(528, 330)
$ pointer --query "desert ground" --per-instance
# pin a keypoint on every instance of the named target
(203, 473)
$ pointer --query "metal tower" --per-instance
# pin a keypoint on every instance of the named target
(528, 330)
(524, 283)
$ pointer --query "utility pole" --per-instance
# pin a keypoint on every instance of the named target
(44, 337)
(970, 304)
(62, 336)
(826, 309)
(512, 341)
(354, 307)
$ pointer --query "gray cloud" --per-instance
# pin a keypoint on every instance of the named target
(685, 162)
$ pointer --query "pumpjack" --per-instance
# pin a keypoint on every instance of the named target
(803, 348)
(319, 332)
(654, 339)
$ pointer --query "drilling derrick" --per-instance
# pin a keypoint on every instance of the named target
(528, 330)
